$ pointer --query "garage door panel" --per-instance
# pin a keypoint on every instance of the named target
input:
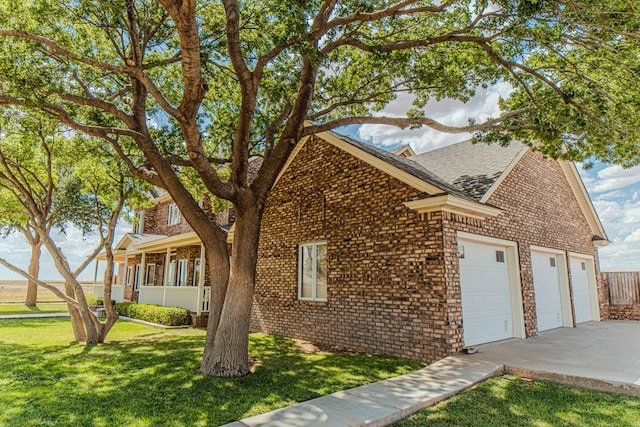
(486, 300)
(546, 282)
(580, 287)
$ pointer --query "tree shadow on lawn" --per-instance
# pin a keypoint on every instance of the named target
(152, 380)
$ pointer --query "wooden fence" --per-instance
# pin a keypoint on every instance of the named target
(624, 287)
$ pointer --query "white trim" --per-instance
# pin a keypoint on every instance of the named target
(502, 176)
(563, 277)
(453, 204)
(513, 270)
(314, 283)
(592, 282)
(183, 239)
(584, 201)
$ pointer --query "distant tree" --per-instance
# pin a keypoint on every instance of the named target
(62, 207)
(196, 88)
(52, 181)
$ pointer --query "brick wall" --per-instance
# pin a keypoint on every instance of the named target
(393, 281)
(540, 210)
(155, 221)
(385, 274)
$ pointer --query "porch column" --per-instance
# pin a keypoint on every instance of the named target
(165, 280)
(201, 280)
(142, 278)
(126, 271)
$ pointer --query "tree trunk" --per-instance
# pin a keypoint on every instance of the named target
(79, 332)
(229, 356)
(217, 257)
(34, 270)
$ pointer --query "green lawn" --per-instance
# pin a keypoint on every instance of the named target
(512, 401)
(147, 377)
(40, 308)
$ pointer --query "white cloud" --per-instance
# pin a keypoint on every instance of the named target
(450, 112)
(614, 178)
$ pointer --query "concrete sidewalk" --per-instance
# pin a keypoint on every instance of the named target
(383, 402)
(32, 315)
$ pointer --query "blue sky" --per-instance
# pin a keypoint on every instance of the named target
(615, 191)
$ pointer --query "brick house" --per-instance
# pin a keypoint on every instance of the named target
(410, 255)
(421, 256)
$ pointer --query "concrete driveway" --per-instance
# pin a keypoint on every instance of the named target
(600, 355)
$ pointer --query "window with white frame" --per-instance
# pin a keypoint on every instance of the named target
(139, 223)
(173, 216)
(171, 274)
(129, 280)
(196, 272)
(181, 272)
(150, 277)
(312, 271)
(136, 278)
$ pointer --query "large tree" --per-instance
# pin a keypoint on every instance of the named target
(196, 88)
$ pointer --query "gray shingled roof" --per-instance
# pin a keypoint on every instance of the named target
(405, 165)
(470, 168)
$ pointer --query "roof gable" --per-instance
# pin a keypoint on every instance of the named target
(472, 169)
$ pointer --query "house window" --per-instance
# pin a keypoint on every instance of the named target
(171, 274)
(181, 272)
(139, 223)
(552, 262)
(151, 275)
(173, 216)
(312, 271)
(584, 265)
(196, 272)
(499, 256)
(136, 278)
(129, 280)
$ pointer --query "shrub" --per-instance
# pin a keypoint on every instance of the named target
(167, 316)
(97, 301)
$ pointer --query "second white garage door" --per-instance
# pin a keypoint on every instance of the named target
(486, 299)
(546, 283)
(581, 284)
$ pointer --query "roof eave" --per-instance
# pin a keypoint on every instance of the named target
(453, 204)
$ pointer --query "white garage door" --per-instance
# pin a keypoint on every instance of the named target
(580, 287)
(486, 301)
(546, 283)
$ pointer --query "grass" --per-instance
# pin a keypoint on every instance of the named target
(40, 308)
(147, 377)
(513, 401)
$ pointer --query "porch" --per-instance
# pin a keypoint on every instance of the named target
(155, 269)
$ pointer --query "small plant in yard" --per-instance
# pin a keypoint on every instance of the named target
(148, 377)
(167, 316)
(96, 301)
(513, 401)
